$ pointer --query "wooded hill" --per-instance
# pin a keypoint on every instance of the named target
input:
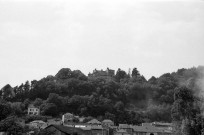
(123, 98)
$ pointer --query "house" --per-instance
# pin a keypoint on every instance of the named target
(54, 122)
(107, 72)
(32, 110)
(168, 127)
(148, 130)
(68, 117)
(126, 127)
(108, 123)
(64, 130)
(94, 122)
(110, 72)
(81, 119)
(97, 130)
(38, 124)
(121, 132)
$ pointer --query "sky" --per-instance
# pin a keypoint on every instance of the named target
(39, 37)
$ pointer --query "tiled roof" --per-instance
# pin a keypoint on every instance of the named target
(64, 129)
(68, 114)
(94, 121)
(69, 130)
(107, 121)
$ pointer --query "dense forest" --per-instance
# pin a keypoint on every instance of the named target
(123, 97)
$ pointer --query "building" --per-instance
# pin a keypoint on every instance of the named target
(164, 126)
(54, 122)
(64, 130)
(126, 127)
(108, 123)
(97, 130)
(68, 117)
(32, 110)
(145, 129)
(110, 72)
(94, 122)
(148, 130)
(38, 124)
(121, 132)
(107, 72)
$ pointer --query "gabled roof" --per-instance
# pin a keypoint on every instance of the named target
(94, 121)
(64, 129)
(69, 130)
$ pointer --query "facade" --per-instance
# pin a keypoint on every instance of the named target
(97, 130)
(148, 130)
(121, 132)
(107, 123)
(32, 110)
(110, 72)
(126, 127)
(168, 127)
(38, 124)
(68, 117)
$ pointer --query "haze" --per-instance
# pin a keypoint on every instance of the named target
(38, 38)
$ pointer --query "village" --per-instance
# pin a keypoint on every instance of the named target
(70, 124)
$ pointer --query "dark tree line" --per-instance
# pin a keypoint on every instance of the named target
(124, 97)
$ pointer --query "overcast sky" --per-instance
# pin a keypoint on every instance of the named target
(38, 38)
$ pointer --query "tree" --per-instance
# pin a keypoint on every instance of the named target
(182, 110)
(120, 74)
(17, 108)
(64, 73)
(55, 99)
(38, 102)
(182, 107)
(5, 110)
(152, 80)
(135, 72)
(26, 102)
(110, 116)
(11, 126)
(7, 92)
(26, 88)
(49, 109)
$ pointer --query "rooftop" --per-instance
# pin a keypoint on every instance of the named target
(94, 121)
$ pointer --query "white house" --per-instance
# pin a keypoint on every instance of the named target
(68, 117)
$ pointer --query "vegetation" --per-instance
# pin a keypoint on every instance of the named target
(124, 98)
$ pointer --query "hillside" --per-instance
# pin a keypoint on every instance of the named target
(122, 97)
